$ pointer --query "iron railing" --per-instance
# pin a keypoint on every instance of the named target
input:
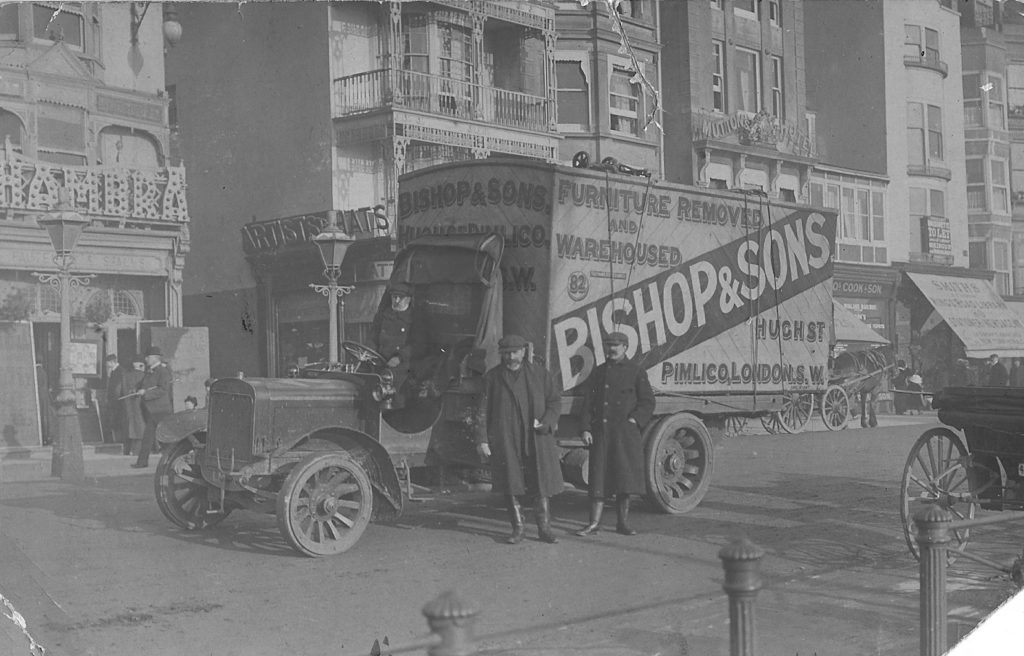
(935, 527)
(451, 619)
(436, 94)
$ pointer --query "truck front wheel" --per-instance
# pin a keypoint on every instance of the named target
(183, 495)
(325, 504)
(680, 460)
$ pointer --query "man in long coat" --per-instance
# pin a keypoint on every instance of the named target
(155, 390)
(131, 405)
(618, 402)
(390, 333)
(516, 420)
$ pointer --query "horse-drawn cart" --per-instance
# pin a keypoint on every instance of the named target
(975, 461)
(856, 374)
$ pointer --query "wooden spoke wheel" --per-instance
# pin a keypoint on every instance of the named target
(183, 495)
(680, 460)
(937, 472)
(835, 408)
(734, 425)
(325, 504)
(794, 416)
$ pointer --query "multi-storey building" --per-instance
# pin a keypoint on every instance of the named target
(83, 121)
(886, 84)
(735, 96)
(987, 148)
(321, 106)
(1013, 34)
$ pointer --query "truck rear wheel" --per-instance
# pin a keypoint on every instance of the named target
(680, 461)
(325, 504)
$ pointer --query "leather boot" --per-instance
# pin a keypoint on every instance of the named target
(543, 509)
(622, 526)
(515, 515)
(596, 508)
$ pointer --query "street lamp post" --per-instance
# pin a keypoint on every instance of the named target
(333, 243)
(64, 228)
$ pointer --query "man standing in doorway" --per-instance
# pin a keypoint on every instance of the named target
(155, 390)
(115, 418)
(618, 402)
(516, 422)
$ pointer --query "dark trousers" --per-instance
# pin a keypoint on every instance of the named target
(148, 435)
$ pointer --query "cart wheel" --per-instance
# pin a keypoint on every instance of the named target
(835, 408)
(772, 423)
(182, 493)
(734, 425)
(795, 413)
(324, 504)
(936, 472)
(680, 460)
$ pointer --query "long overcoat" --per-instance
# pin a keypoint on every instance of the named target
(524, 459)
(615, 393)
(131, 406)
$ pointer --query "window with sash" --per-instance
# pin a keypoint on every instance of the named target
(924, 134)
(718, 76)
(573, 94)
(624, 109)
(778, 99)
(972, 101)
(748, 73)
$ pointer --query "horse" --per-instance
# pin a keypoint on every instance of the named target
(861, 373)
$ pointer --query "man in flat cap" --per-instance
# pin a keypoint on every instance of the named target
(516, 420)
(390, 334)
(155, 390)
(618, 402)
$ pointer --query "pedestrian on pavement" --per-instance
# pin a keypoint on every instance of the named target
(131, 404)
(997, 374)
(618, 402)
(156, 394)
(115, 418)
(899, 386)
(1017, 373)
(964, 374)
(914, 402)
(390, 335)
(516, 420)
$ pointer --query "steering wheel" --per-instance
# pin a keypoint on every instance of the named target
(364, 354)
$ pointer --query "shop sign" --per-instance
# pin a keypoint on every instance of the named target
(935, 236)
(157, 194)
(860, 288)
(760, 129)
(268, 236)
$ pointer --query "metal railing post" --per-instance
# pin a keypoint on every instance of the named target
(741, 560)
(932, 537)
(451, 619)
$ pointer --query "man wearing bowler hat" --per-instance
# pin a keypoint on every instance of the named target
(155, 390)
(516, 422)
(618, 402)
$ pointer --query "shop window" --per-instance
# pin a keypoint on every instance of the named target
(748, 72)
(718, 76)
(59, 22)
(128, 148)
(623, 101)
(573, 94)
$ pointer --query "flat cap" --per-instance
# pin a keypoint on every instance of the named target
(400, 288)
(511, 343)
(616, 338)
(154, 350)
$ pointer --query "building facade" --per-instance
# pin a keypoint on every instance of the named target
(1013, 34)
(83, 118)
(737, 92)
(321, 106)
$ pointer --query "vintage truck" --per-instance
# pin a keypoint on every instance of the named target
(725, 297)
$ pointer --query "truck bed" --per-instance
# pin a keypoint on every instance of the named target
(996, 408)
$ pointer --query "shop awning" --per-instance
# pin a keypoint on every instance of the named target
(847, 327)
(975, 312)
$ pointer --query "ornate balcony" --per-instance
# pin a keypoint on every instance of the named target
(437, 95)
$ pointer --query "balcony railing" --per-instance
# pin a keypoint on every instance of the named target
(439, 95)
(927, 61)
